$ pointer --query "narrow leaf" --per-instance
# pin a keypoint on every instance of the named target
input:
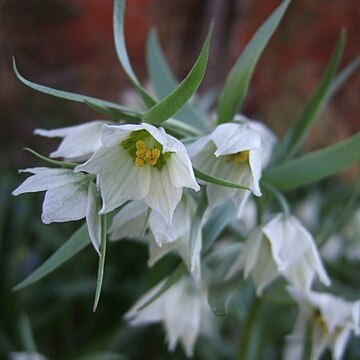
(173, 102)
(297, 133)
(26, 333)
(217, 181)
(119, 14)
(101, 262)
(220, 217)
(164, 82)
(237, 82)
(76, 243)
(72, 96)
(67, 165)
(195, 229)
(316, 165)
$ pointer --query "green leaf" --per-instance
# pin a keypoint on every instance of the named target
(67, 165)
(195, 229)
(101, 262)
(221, 293)
(220, 217)
(316, 165)
(74, 245)
(173, 102)
(26, 333)
(237, 82)
(179, 271)
(297, 133)
(119, 14)
(217, 181)
(74, 97)
(164, 81)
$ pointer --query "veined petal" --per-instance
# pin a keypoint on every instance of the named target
(255, 163)
(79, 142)
(65, 203)
(129, 221)
(162, 196)
(47, 178)
(181, 171)
(233, 138)
(93, 219)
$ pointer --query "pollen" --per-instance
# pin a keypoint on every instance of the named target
(145, 156)
(240, 157)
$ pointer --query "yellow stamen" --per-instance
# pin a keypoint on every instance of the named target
(144, 156)
(321, 322)
(240, 157)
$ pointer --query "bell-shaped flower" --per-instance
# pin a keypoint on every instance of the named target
(79, 141)
(183, 310)
(164, 238)
(235, 152)
(69, 196)
(330, 319)
(141, 162)
(282, 247)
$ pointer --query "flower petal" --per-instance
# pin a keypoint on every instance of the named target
(93, 219)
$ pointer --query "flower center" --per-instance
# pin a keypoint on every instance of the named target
(145, 150)
(319, 320)
(240, 157)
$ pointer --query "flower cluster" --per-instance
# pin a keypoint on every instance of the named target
(179, 193)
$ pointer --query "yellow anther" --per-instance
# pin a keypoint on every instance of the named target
(240, 157)
(144, 156)
(321, 322)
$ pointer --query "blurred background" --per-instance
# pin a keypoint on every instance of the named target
(69, 45)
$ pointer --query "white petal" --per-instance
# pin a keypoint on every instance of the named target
(151, 313)
(65, 203)
(234, 138)
(255, 166)
(129, 221)
(46, 178)
(181, 171)
(196, 148)
(79, 141)
(93, 219)
(162, 195)
(120, 179)
(340, 343)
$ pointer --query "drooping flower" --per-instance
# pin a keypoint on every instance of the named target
(141, 162)
(69, 196)
(183, 310)
(79, 141)
(235, 152)
(281, 247)
(331, 319)
(26, 355)
(163, 238)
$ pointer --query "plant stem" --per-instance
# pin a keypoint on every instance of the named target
(246, 337)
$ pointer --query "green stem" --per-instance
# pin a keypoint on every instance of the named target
(285, 207)
(101, 262)
(244, 349)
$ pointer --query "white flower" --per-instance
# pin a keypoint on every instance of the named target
(164, 238)
(141, 162)
(281, 247)
(183, 309)
(79, 141)
(331, 319)
(69, 196)
(236, 152)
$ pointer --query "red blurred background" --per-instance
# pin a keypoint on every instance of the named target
(69, 45)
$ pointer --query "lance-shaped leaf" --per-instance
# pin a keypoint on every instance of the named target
(75, 244)
(101, 262)
(217, 181)
(106, 107)
(119, 14)
(220, 217)
(316, 165)
(237, 82)
(173, 102)
(164, 81)
(295, 136)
